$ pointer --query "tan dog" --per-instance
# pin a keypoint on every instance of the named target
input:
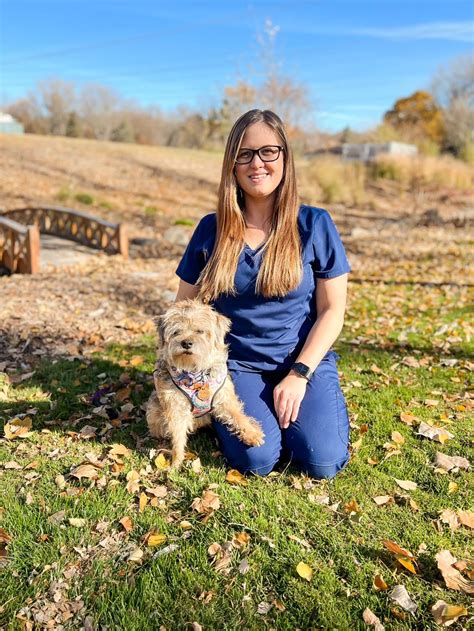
(191, 379)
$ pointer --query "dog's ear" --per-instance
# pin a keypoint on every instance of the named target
(160, 327)
(223, 324)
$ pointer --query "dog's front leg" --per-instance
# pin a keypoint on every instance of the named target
(229, 410)
(179, 426)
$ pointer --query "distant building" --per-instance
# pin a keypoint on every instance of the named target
(367, 151)
(9, 125)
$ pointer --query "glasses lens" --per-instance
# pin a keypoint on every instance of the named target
(244, 156)
(269, 154)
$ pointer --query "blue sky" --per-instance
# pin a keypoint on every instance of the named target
(356, 56)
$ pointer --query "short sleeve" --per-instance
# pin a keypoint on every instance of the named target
(330, 255)
(198, 250)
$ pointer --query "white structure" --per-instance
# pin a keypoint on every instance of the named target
(367, 151)
(9, 125)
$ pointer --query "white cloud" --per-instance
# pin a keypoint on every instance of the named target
(453, 31)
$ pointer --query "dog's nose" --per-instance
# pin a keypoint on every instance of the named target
(186, 344)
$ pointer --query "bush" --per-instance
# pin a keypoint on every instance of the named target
(84, 198)
(184, 222)
(338, 181)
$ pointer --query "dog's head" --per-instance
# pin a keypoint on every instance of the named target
(191, 335)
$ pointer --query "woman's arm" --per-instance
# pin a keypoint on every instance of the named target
(331, 296)
(186, 290)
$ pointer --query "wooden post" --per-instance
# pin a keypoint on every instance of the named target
(122, 239)
(33, 245)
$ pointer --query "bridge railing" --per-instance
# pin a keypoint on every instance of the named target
(66, 223)
(19, 246)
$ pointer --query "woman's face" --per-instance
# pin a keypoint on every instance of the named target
(259, 179)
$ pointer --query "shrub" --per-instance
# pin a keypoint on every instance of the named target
(338, 181)
(84, 198)
(184, 222)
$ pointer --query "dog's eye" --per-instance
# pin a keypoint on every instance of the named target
(199, 331)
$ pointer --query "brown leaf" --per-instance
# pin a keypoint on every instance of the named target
(371, 619)
(406, 485)
(466, 517)
(452, 577)
(398, 438)
(450, 462)
(85, 471)
(449, 517)
(142, 502)
(406, 563)
(380, 500)
(133, 478)
(241, 540)
(396, 549)
(127, 523)
(408, 418)
(18, 428)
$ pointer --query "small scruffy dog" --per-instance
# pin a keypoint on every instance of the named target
(191, 379)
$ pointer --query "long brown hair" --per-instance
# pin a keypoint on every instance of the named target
(281, 268)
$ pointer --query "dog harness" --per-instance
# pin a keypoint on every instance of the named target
(199, 387)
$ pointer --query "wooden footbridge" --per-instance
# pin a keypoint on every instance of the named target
(20, 230)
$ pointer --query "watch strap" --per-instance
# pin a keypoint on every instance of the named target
(303, 370)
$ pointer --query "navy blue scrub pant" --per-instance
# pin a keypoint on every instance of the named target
(316, 443)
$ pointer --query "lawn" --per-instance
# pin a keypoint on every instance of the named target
(122, 543)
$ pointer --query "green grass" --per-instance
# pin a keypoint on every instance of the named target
(385, 325)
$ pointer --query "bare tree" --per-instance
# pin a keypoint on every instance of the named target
(99, 109)
(57, 99)
(453, 89)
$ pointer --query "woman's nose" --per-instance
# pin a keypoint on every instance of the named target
(256, 160)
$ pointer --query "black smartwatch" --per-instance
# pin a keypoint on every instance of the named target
(303, 370)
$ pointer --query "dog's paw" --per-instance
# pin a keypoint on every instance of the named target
(252, 435)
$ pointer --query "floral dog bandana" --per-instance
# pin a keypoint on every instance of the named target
(199, 387)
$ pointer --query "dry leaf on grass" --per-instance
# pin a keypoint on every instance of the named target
(18, 428)
(397, 438)
(155, 539)
(446, 615)
(263, 608)
(406, 485)
(161, 463)
(449, 517)
(235, 477)
(466, 517)
(85, 471)
(379, 583)
(135, 555)
(381, 500)
(404, 557)
(451, 462)
(371, 619)
(439, 434)
(207, 503)
(142, 502)
(119, 450)
(127, 523)
(400, 595)
(77, 522)
(133, 478)
(452, 577)
(408, 418)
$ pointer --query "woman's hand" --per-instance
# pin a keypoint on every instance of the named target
(287, 397)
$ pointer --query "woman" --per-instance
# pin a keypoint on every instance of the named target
(279, 272)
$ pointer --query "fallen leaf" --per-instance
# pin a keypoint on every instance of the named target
(406, 563)
(398, 438)
(12, 465)
(235, 477)
(143, 501)
(155, 539)
(135, 555)
(241, 540)
(161, 462)
(77, 522)
(431, 403)
(305, 571)
(85, 471)
(400, 595)
(466, 517)
(18, 428)
(452, 577)
(196, 465)
(439, 434)
(213, 549)
(449, 517)
(379, 583)
(396, 549)
(452, 488)
(244, 566)
(157, 491)
(408, 418)
(380, 500)
(264, 608)
(133, 478)
(445, 615)
(185, 525)
(119, 450)
(127, 524)
(406, 485)
(371, 619)
(352, 509)
(450, 462)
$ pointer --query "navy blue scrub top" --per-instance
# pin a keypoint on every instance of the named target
(269, 333)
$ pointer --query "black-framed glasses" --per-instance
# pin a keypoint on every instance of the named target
(268, 153)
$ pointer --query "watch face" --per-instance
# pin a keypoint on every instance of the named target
(301, 369)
